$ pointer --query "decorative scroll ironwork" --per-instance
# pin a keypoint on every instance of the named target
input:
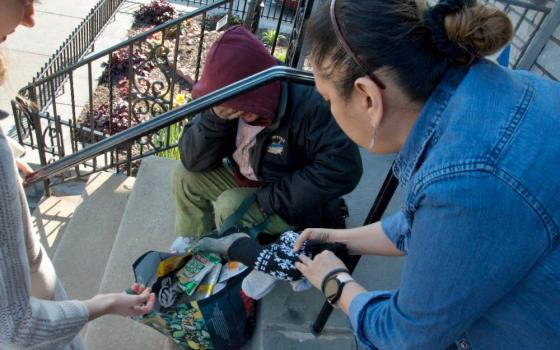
(296, 40)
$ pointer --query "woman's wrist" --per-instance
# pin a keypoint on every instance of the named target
(99, 305)
(350, 291)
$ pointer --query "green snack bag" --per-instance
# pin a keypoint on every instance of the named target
(190, 276)
(207, 285)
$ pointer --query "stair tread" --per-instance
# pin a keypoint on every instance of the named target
(88, 239)
(50, 218)
(147, 224)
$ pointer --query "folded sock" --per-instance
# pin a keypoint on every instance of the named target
(219, 246)
(257, 284)
(278, 259)
(245, 250)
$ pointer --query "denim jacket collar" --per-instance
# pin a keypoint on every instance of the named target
(423, 130)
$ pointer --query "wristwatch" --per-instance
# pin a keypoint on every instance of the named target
(334, 284)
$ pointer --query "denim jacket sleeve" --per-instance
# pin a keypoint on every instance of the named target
(468, 247)
(397, 230)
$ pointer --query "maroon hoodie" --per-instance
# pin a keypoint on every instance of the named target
(236, 55)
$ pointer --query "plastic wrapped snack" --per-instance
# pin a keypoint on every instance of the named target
(206, 287)
(231, 269)
(194, 271)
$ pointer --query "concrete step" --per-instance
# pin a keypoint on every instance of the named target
(284, 317)
(51, 215)
(50, 218)
(147, 224)
(88, 239)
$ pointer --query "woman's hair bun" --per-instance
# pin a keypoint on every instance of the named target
(462, 30)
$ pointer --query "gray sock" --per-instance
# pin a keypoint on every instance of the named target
(218, 246)
(257, 284)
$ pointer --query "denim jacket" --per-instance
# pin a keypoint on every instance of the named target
(480, 220)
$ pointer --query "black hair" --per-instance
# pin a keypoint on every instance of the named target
(414, 44)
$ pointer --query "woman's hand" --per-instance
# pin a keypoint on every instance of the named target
(23, 167)
(312, 234)
(134, 305)
(137, 304)
(315, 270)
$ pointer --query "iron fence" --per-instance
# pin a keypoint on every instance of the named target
(283, 10)
(78, 43)
(117, 88)
(527, 17)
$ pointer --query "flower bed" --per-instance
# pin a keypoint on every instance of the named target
(164, 68)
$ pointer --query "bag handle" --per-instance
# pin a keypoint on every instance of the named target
(234, 218)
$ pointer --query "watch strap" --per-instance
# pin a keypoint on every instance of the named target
(343, 279)
(330, 274)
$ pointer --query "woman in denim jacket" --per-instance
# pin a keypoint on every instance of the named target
(479, 159)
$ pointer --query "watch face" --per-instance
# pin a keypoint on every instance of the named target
(331, 288)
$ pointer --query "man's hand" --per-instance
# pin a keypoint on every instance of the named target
(231, 114)
(226, 113)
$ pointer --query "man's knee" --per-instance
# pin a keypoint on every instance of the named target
(182, 177)
(228, 202)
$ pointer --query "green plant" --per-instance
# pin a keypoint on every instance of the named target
(270, 35)
(174, 131)
(212, 20)
(120, 63)
(280, 56)
(112, 123)
(157, 12)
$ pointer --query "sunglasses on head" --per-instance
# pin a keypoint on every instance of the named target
(349, 50)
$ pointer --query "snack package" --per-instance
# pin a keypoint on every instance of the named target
(231, 269)
(219, 286)
(170, 264)
(192, 274)
(206, 287)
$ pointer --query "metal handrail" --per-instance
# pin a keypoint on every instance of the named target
(527, 5)
(127, 42)
(171, 117)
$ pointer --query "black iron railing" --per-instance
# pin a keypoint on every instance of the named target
(122, 86)
(110, 90)
(78, 43)
(282, 10)
(167, 119)
(527, 17)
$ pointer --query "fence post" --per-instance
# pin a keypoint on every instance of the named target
(32, 109)
(298, 35)
(541, 38)
(253, 15)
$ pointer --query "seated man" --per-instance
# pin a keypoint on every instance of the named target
(281, 142)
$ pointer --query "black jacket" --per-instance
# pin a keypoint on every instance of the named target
(303, 159)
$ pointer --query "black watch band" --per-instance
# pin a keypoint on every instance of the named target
(330, 274)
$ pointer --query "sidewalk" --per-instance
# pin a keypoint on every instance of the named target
(27, 50)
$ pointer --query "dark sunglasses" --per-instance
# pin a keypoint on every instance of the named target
(349, 50)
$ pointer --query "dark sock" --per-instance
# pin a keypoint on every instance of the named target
(245, 250)
(278, 259)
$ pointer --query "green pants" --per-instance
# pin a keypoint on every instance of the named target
(207, 198)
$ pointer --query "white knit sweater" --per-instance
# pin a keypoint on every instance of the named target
(27, 278)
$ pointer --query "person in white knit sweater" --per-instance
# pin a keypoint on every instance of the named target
(34, 312)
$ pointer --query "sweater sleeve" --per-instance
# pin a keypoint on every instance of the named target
(26, 321)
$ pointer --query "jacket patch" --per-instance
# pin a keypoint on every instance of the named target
(276, 147)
